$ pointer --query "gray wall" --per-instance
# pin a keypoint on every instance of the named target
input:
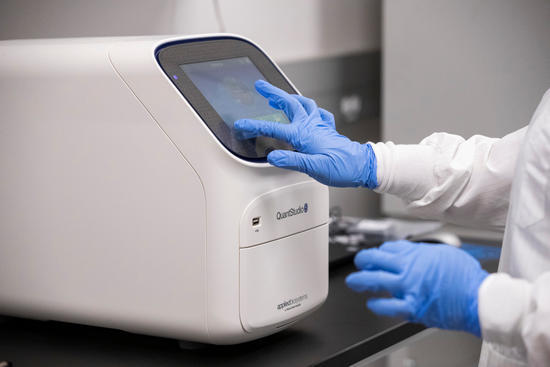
(466, 67)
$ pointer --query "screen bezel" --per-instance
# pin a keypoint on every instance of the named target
(170, 56)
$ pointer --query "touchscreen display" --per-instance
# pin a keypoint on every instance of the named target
(228, 85)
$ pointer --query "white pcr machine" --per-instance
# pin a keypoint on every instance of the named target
(128, 201)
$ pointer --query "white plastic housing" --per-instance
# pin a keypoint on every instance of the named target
(121, 209)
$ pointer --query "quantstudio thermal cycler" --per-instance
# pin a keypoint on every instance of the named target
(128, 201)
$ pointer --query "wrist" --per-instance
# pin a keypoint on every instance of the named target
(405, 170)
(472, 324)
(370, 179)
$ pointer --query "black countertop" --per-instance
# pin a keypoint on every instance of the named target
(343, 331)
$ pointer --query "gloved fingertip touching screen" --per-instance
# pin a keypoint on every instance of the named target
(321, 152)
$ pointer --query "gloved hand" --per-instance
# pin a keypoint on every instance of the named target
(436, 285)
(323, 154)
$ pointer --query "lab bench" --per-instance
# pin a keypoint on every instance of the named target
(342, 332)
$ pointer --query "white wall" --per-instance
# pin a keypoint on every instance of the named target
(81, 18)
(466, 67)
(288, 29)
(303, 29)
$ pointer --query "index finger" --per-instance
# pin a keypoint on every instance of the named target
(372, 259)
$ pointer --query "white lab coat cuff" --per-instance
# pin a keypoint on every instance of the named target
(406, 171)
(503, 303)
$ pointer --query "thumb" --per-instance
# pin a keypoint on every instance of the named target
(291, 160)
(266, 128)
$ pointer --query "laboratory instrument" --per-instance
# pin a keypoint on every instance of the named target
(130, 202)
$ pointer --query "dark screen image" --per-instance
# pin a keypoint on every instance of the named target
(228, 85)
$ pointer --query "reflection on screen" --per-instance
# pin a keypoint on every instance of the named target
(228, 85)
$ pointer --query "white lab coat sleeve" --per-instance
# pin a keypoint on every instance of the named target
(525, 321)
(448, 178)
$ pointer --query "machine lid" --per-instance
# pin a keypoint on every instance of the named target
(283, 280)
(216, 76)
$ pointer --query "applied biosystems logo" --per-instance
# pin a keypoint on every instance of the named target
(302, 209)
(289, 304)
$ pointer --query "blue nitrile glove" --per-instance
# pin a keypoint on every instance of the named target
(325, 155)
(436, 285)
